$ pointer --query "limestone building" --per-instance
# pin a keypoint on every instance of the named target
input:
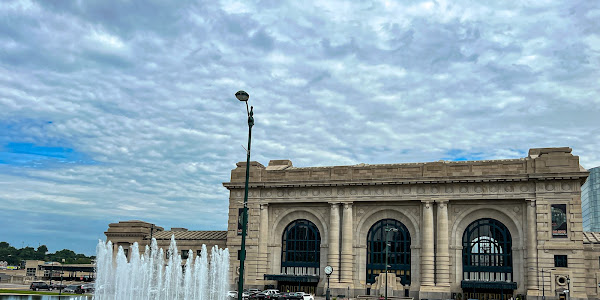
(471, 229)
(125, 233)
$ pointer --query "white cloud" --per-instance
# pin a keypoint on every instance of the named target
(144, 90)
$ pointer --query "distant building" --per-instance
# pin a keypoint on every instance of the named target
(590, 201)
(125, 233)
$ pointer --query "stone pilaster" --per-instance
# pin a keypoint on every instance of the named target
(442, 256)
(262, 242)
(333, 257)
(347, 257)
(427, 254)
(531, 246)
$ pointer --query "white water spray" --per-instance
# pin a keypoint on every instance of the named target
(150, 276)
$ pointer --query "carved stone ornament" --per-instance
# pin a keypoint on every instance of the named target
(549, 187)
(366, 191)
(566, 187)
(353, 192)
(316, 192)
(327, 192)
(449, 189)
(393, 191)
(509, 188)
(269, 193)
(379, 191)
(406, 190)
(524, 188)
(435, 190)
(464, 189)
(493, 188)
(303, 193)
(340, 192)
(291, 193)
(421, 190)
(478, 189)
(280, 193)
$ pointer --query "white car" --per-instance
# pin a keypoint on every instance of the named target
(232, 294)
(306, 296)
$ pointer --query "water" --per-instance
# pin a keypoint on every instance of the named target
(151, 276)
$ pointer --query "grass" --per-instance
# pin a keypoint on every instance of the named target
(20, 292)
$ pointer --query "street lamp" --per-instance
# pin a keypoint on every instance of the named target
(328, 271)
(569, 287)
(543, 284)
(243, 96)
(387, 247)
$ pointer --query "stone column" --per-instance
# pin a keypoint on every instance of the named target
(442, 256)
(333, 256)
(531, 245)
(427, 255)
(347, 257)
(263, 238)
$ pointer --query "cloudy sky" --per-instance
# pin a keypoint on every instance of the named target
(120, 110)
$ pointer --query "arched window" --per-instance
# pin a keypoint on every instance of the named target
(398, 253)
(487, 251)
(300, 249)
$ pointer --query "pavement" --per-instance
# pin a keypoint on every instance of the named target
(13, 286)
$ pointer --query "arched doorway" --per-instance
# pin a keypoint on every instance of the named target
(300, 257)
(487, 260)
(398, 253)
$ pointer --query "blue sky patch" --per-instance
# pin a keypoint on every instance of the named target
(462, 155)
(28, 154)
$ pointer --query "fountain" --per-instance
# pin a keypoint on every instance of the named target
(151, 276)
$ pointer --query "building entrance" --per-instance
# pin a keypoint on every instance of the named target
(289, 286)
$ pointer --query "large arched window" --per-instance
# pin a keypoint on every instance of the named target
(487, 251)
(398, 253)
(300, 249)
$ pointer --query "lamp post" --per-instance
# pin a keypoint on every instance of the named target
(243, 96)
(328, 271)
(568, 287)
(387, 247)
(543, 283)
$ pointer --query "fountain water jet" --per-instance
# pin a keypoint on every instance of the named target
(150, 276)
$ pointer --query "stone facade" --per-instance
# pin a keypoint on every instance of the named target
(436, 202)
(125, 233)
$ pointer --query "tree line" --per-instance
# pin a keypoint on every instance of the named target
(14, 256)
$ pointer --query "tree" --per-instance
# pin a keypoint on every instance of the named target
(40, 253)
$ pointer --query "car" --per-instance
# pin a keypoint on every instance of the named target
(73, 289)
(39, 285)
(233, 294)
(264, 295)
(305, 296)
(88, 288)
(287, 296)
(57, 286)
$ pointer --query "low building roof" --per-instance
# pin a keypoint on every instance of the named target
(191, 235)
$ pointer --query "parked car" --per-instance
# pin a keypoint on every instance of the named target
(73, 289)
(57, 286)
(88, 288)
(287, 296)
(264, 295)
(233, 294)
(39, 285)
(305, 296)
